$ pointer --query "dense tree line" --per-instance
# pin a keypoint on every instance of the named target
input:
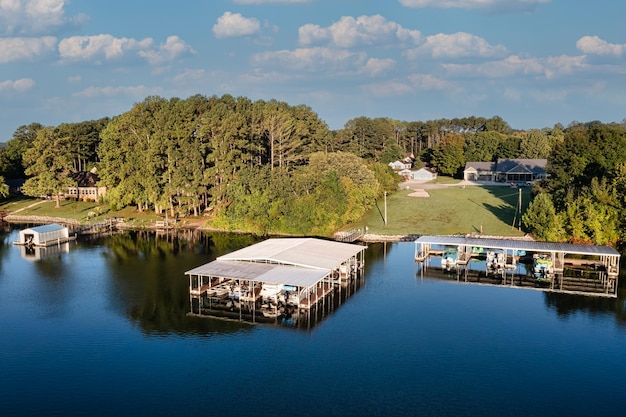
(262, 166)
(584, 199)
(266, 166)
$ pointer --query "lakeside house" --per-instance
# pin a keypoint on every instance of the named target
(86, 188)
(506, 170)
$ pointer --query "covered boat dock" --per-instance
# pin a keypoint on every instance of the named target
(573, 268)
(274, 279)
(46, 235)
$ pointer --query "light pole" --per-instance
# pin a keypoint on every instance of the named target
(385, 208)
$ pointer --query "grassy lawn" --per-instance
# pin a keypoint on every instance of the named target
(77, 210)
(449, 210)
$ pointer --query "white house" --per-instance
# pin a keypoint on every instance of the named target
(423, 174)
(45, 235)
(400, 165)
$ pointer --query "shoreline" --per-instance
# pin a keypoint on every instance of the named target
(366, 238)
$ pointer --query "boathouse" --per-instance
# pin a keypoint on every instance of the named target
(573, 268)
(295, 273)
(45, 235)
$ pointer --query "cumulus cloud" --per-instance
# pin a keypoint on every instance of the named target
(312, 59)
(364, 30)
(107, 47)
(594, 45)
(34, 17)
(231, 25)
(475, 4)
(428, 82)
(375, 66)
(456, 45)
(515, 65)
(172, 49)
(23, 84)
(25, 49)
(99, 46)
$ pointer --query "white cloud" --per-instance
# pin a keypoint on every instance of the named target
(173, 48)
(23, 84)
(138, 91)
(428, 82)
(231, 25)
(25, 49)
(33, 17)
(596, 46)
(312, 59)
(99, 46)
(475, 4)
(514, 65)
(364, 30)
(456, 45)
(107, 47)
(375, 66)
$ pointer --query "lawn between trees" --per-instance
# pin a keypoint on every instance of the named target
(454, 209)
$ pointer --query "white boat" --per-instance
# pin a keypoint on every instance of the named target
(449, 259)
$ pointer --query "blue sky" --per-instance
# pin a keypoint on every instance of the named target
(532, 62)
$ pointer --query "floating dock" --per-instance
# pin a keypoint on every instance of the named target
(278, 280)
(569, 268)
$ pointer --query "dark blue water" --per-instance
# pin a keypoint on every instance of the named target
(102, 330)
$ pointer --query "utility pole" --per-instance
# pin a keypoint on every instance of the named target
(519, 208)
(385, 208)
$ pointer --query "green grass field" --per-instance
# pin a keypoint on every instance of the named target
(450, 210)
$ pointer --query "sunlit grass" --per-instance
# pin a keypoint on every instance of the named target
(451, 210)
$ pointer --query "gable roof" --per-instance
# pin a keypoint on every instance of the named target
(480, 166)
(85, 178)
(522, 165)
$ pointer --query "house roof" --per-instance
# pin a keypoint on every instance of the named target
(522, 165)
(85, 178)
(480, 166)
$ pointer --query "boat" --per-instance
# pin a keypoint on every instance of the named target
(449, 259)
(542, 267)
(496, 262)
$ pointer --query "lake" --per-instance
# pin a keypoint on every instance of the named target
(101, 328)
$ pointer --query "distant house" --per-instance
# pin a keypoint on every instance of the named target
(506, 170)
(86, 186)
(423, 174)
(401, 165)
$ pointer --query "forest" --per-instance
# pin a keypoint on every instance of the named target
(270, 167)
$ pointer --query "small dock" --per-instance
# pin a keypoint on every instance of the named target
(563, 267)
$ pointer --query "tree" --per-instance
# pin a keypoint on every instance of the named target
(48, 163)
(540, 218)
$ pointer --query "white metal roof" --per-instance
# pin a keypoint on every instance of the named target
(261, 272)
(516, 244)
(305, 252)
(46, 228)
(299, 262)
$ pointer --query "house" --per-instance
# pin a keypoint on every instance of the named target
(423, 174)
(400, 165)
(86, 186)
(506, 170)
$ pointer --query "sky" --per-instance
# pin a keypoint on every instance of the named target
(534, 63)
